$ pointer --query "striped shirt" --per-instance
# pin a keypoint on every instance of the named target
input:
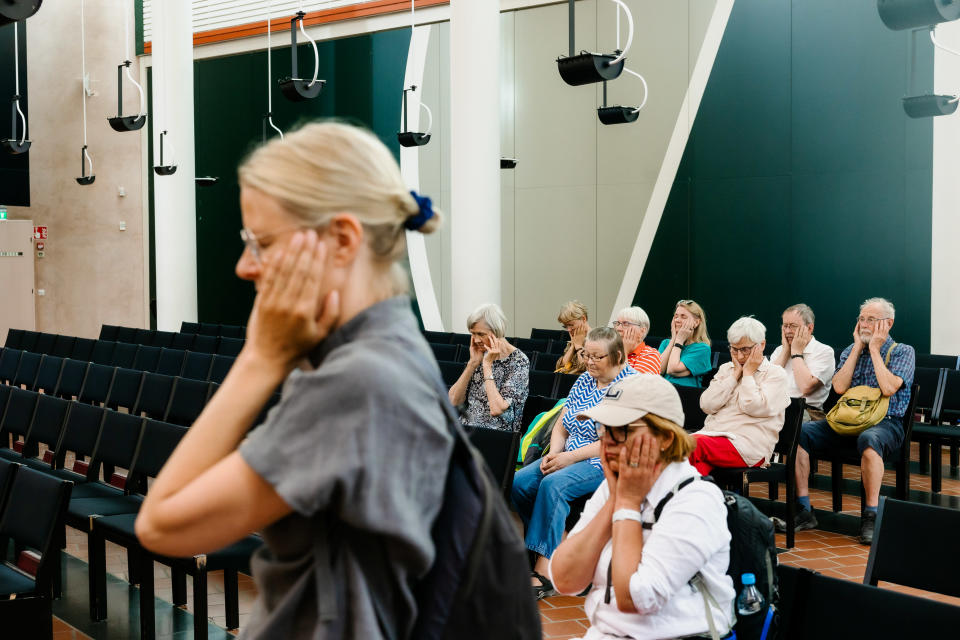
(902, 364)
(584, 395)
(644, 359)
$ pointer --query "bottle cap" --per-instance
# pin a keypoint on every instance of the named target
(748, 578)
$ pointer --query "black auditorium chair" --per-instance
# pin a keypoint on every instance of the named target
(229, 346)
(450, 371)
(102, 352)
(205, 343)
(545, 362)
(219, 367)
(47, 423)
(125, 390)
(32, 520)
(565, 382)
(196, 366)
(944, 431)
(171, 362)
(17, 418)
(162, 338)
(931, 383)
(549, 334)
(182, 341)
(446, 352)
(460, 338)
(80, 434)
(26, 373)
(45, 343)
(784, 470)
(529, 344)
(29, 341)
(937, 361)
(96, 384)
(155, 393)
(9, 361)
(437, 337)
(109, 332)
(48, 375)
(14, 339)
(143, 336)
(542, 383)
(209, 329)
(189, 327)
(124, 354)
(63, 346)
(232, 331)
(82, 349)
(499, 451)
(187, 401)
(693, 415)
(146, 359)
(126, 334)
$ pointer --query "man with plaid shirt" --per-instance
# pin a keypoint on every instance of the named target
(863, 363)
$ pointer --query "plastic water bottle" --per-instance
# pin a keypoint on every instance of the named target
(750, 601)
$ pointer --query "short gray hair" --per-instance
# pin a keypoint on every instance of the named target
(491, 315)
(635, 315)
(883, 302)
(749, 328)
(806, 313)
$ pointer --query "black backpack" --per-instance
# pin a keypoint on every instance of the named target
(753, 550)
(479, 584)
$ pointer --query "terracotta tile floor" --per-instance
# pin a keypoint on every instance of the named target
(563, 616)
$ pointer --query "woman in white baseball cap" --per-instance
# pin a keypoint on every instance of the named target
(641, 559)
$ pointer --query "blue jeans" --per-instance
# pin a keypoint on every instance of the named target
(885, 438)
(542, 500)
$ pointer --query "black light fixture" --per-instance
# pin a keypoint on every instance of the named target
(929, 105)
(12, 144)
(508, 163)
(295, 88)
(268, 116)
(17, 10)
(618, 114)
(121, 122)
(910, 14)
(587, 68)
(164, 169)
(206, 181)
(409, 138)
(85, 179)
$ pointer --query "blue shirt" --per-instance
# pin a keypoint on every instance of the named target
(584, 395)
(902, 364)
(696, 357)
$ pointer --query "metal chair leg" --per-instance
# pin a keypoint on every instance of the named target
(836, 476)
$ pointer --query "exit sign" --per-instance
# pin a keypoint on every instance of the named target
(3, 213)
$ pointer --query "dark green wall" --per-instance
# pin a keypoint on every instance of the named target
(14, 169)
(364, 82)
(803, 180)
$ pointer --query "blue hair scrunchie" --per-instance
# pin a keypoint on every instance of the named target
(419, 219)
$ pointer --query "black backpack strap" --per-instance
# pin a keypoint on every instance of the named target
(663, 502)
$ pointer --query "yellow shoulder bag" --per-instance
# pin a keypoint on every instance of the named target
(860, 407)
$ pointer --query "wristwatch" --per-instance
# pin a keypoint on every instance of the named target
(677, 345)
(797, 355)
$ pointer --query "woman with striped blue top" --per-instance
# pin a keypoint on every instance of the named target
(571, 467)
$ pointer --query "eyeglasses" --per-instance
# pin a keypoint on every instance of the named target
(253, 242)
(791, 327)
(616, 324)
(743, 350)
(587, 357)
(617, 434)
(863, 320)
(684, 301)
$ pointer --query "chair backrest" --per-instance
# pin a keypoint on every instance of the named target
(693, 415)
(96, 384)
(183, 341)
(896, 555)
(565, 382)
(229, 346)
(541, 383)
(109, 332)
(80, 433)
(125, 389)
(460, 338)
(126, 334)
(499, 451)
(8, 471)
(18, 416)
(209, 329)
(63, 346)
(14, 339)
(187, 401)
(196, 366)
(790, 433)
(4, 397)
(205, 343)
(437, 337)
(26, 373)
(155, 395)
(534, 406)
(232, 331)
(34, 515)
(45, 342)
(49, 419)
(118, 440)
(557, 347)
(29, 341)
(124, 354)
(9, 361)
(450, 371)
(158, 441)
(446, 352)
(931, 388)
(71, 378)
(82, 349)
(103, 352)
(950, 398)
(189, 327)
(545, 362)
(147, 358)
(48, 374)
(549, 334)
(170, 362)
(529, 344)
(143, 336)
(219, 368)
(936, 361)
(162, 339)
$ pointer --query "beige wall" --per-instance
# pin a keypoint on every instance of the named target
(573, 206)
(93, 273)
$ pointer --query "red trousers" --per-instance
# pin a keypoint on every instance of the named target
(715, 451)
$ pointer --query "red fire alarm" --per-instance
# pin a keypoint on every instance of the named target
(40, 233)
(39, 246)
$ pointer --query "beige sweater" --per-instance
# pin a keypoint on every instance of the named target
(748, 411)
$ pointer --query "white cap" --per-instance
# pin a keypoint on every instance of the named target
(634, 397)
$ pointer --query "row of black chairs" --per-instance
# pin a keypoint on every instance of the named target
(65, 376)
(149, 336)
(214, 329)
(104, 503)
(90, 349)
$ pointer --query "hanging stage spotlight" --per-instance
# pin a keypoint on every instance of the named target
(12, 144)
(911, 14)
(16, 10)
(121, 122)
(508, 163)
(929, 106)
(206, 181)
(85, 179)
(618, 114)
(409, 138)
(588, 68)
(294, 88)
(164, 169)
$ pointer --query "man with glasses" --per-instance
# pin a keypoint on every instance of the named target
(863, 363)
(633, 324)
(808, 362)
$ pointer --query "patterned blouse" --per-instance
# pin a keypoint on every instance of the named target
(512, 376)
(585, 394)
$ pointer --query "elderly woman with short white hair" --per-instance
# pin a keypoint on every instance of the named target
(495, 380)
(744, 403)
(633, 324)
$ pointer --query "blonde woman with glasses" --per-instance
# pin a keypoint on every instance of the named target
(354, 455)
(686, 356)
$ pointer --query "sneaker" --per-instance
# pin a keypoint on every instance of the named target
(804, 519)
(867, 523)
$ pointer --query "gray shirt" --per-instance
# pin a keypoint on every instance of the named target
(359, 448)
